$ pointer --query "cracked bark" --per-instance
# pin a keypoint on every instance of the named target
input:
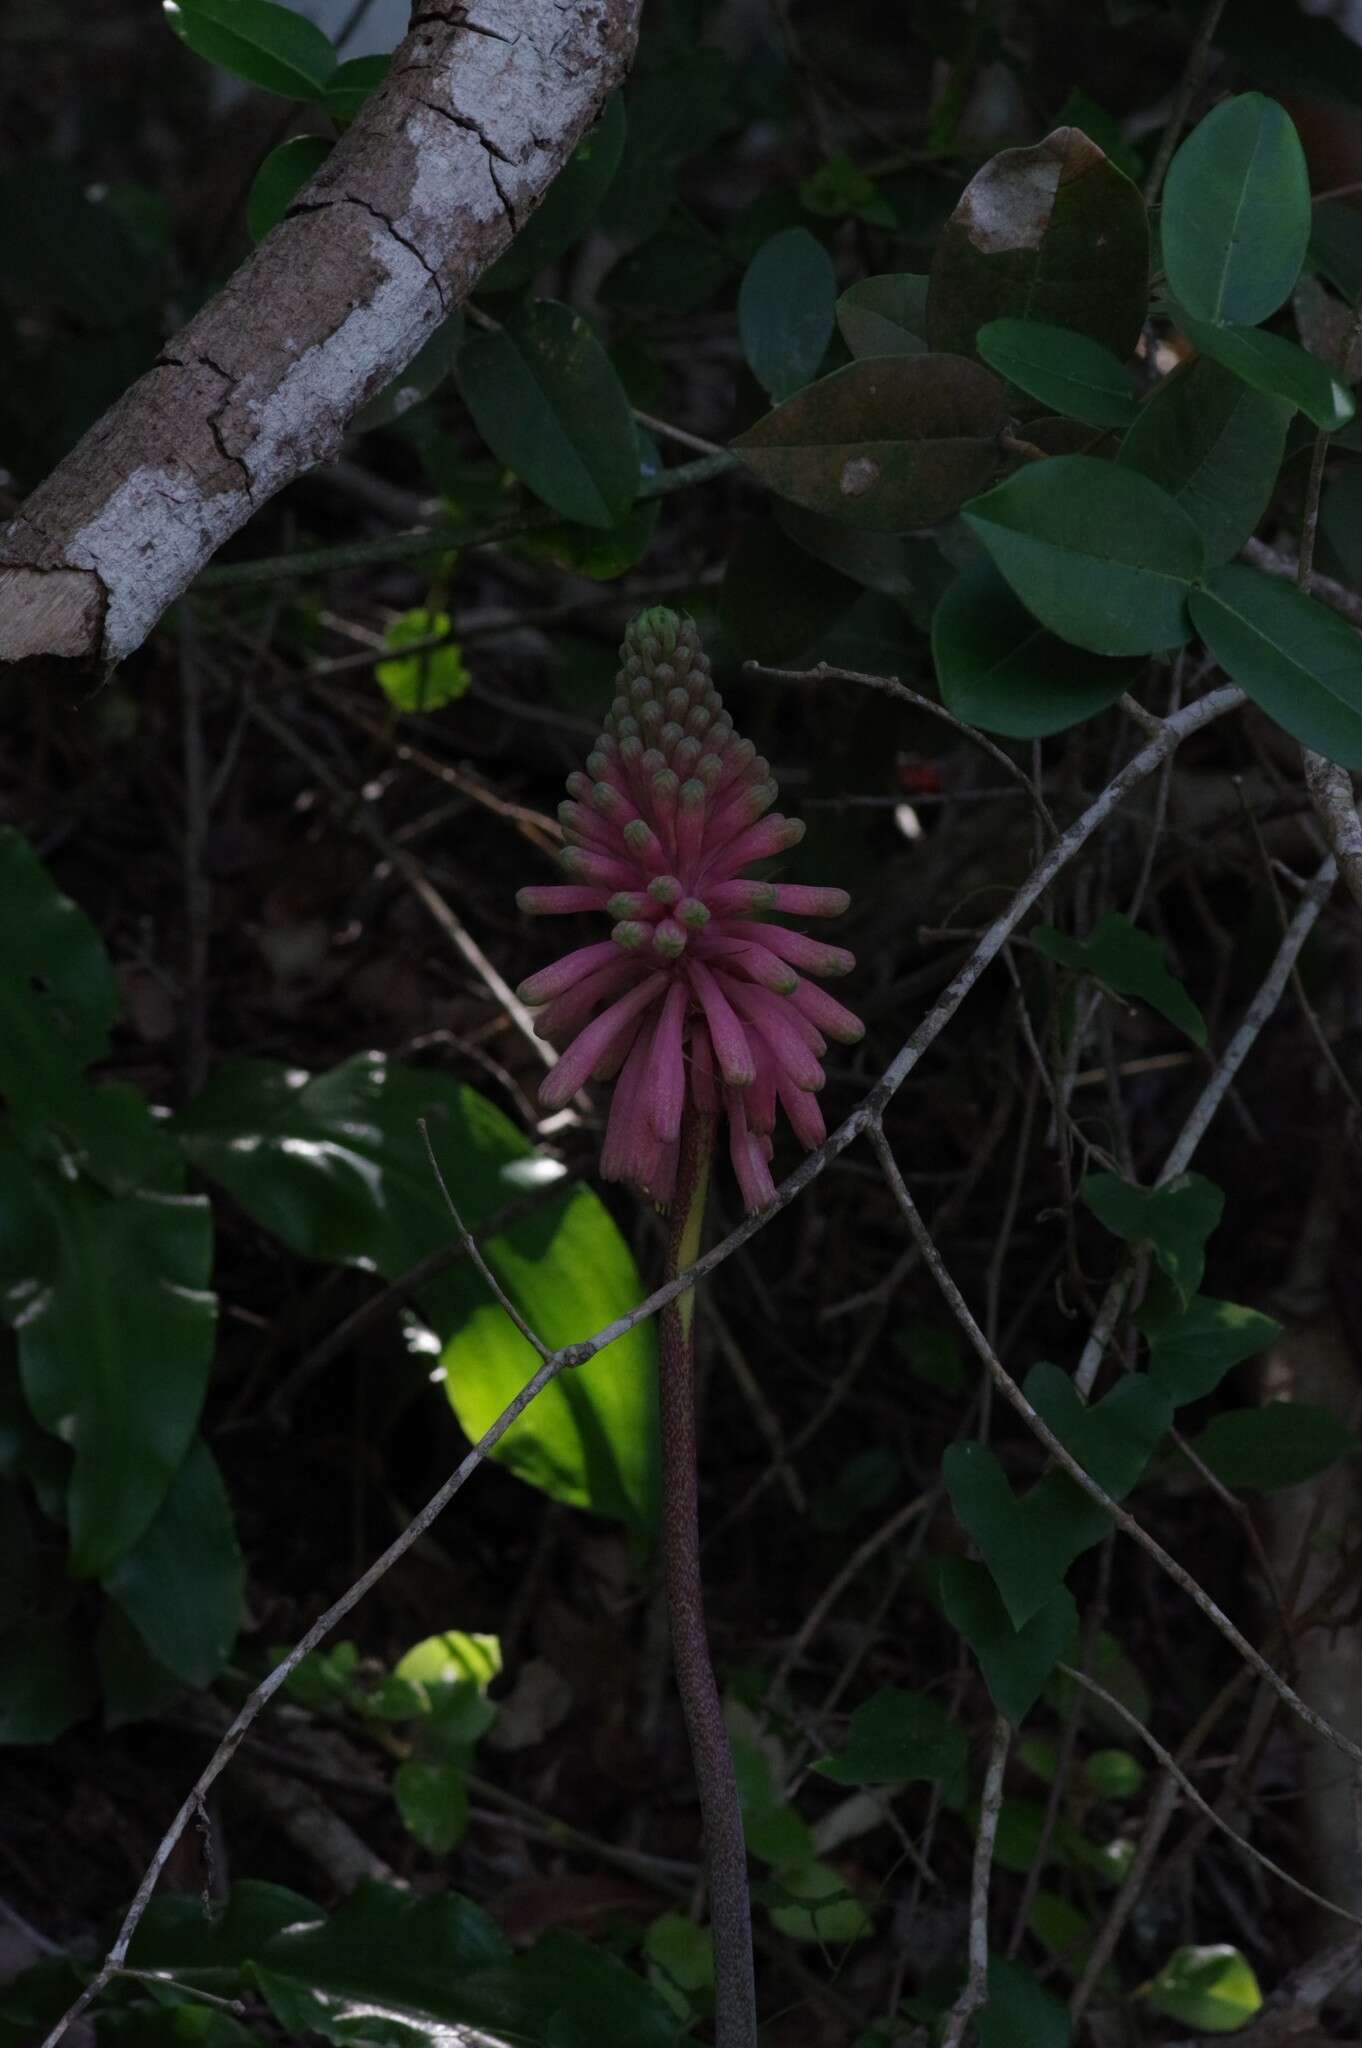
(420, 196)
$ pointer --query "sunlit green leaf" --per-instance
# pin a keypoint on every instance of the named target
(433, 676)
(1212, 1989)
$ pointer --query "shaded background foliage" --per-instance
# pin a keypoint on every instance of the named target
(265, 821)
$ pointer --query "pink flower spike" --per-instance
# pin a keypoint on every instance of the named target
(732, 1047)
(558, 979)
(795, 899)
(827, 1015)
(558, 900)
(696, 1002)
(596, 1043)
(666, 1082)
(811, 956)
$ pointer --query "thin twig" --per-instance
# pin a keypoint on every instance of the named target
(1189, 1791)
(975, 1992)
(475, 1251)
(1011, 1392)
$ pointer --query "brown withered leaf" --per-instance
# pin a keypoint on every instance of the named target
(1054, 232)
(888, 443)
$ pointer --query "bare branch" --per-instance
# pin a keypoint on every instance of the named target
(975, 1992)
(426, 188)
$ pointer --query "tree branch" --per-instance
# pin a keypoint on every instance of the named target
(426, 188)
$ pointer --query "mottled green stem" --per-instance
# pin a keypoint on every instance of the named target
(730, 1912)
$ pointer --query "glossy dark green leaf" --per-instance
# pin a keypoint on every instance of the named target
(1122, 957)
(1016, 1662)
(1215, 445)
(1236, 212)
(545, 397)
(885, 316)
(1271, 363)
(1053, 233)
(1189, 1357)
(1020, 2012)
(678, 271)
(1101, 556)
(1301, 663)
(676, 111)
(350, 85)
(281, 178)
(47, 1680)
(1336, 246)
(998, 668)
(115, 1331)
(1280, 1444)
(267, 45)
(1070, 373)
(603, 553)
(334, 1165)
(58, 997)
(1175, 1219)
(890, 443)
(1027, 1544)
(133, 1685)
(787, 304)
(432, 1799)
(569, 206)
(896, 1738)
(183, 1583)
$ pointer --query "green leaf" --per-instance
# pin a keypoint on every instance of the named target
(998, 668)
(1215, 445)
(772, 1828)
(1015, 1662)
(1102, 557)
(1189, 1358)
(281, 178)
(133, 1685)
(896, 1738)
(334, 1165)
(1114, 1773)
(1175, 1219)
(681, 1963)
(1212, 1989)
(1019, 2013)
(58, 997)
(424, 681)
(1279, 1444)
(1271, 363)
(1301, 663)
(266, 45)
(183, 1583)
(885, 316)
(677, 110)
(888, 443)
(1131, 962)
(1236, 212)
(604, 553)
(432, 1799)
(115, 1332)
(1336, 246)
(1028, 1544)
(1067, 372)
(568, 207)
(451, 1659)
(839, 188)
(677, 272)
(1053, 233)
(350, 85)
(815, 1905)
(1115, 1438)
(47, 1681)
(787, 303)
(545, 397)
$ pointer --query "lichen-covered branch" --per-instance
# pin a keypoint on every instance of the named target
(425, 190)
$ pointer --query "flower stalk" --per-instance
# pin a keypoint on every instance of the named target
(730, 1912)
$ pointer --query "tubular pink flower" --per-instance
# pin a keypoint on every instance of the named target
(696, 998)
